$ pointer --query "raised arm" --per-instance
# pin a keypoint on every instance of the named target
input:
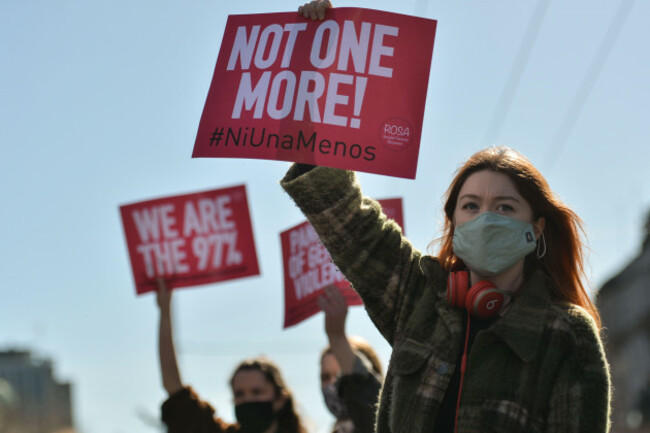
(183, 411)
(335, 308)
(171, 377)
(359, 384)
(367, 247)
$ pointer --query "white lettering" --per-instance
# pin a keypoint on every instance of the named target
(309, 98)
(355, 47)
(287, 104)
(334, 99)
(379, 50)
(330, 50)
(274, 32)
(212, 249)
(293, 29)
(243, 48)
(247, 97)
(150, 222)
(165, 258)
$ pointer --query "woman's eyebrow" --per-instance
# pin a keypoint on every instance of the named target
(499, 197)
(507, 197)
(469, 196)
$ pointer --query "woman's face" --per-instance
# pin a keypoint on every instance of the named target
(329, 369)
(251, 385)
(489, 191)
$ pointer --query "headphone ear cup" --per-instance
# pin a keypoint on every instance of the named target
(475, 290)
(484, 299)
(457, 286)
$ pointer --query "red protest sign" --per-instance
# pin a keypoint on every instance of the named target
(347, 92)
(190, 239)
(308, 268)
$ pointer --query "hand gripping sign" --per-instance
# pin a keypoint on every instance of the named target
(347, 92)
(190, 239)
(308, 268)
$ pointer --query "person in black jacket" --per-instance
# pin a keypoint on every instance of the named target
(351, 373)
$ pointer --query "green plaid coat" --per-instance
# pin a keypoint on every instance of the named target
(539, 368)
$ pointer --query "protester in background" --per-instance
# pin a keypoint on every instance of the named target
(351, 373)
(263, 403)
(495, 333)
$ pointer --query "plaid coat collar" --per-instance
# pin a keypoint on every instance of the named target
(522, 326)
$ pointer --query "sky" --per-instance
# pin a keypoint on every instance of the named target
(99, 107)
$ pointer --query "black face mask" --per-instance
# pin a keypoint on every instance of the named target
(255, 416)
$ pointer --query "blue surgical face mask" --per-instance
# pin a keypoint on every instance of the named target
(491, 243)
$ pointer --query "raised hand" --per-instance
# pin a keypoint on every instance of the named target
(335, 308)
(315, 9)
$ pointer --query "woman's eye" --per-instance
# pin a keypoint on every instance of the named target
(505, 208)
(470, 206)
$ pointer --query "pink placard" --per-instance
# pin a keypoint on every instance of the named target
(347, 92)
(190, 239)
(308, 268)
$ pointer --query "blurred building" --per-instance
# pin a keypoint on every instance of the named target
(31, 400)
(624, 304)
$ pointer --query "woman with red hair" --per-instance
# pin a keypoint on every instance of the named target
(496, 332)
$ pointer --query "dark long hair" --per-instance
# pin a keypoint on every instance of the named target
(288, 419)
(563, 262)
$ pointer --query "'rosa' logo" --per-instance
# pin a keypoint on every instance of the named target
(396, 130)
(395, 133)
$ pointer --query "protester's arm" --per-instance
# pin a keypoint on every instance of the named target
(171, 376)
(183, 411)
(359, 385)
(367, 247)
(335, 308)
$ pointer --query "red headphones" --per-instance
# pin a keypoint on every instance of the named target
(483, 299)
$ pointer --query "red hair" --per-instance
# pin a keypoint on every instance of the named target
(563, 261)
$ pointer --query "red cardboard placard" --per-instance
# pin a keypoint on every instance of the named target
(190, 239)
(347, 92)
(308, 268)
